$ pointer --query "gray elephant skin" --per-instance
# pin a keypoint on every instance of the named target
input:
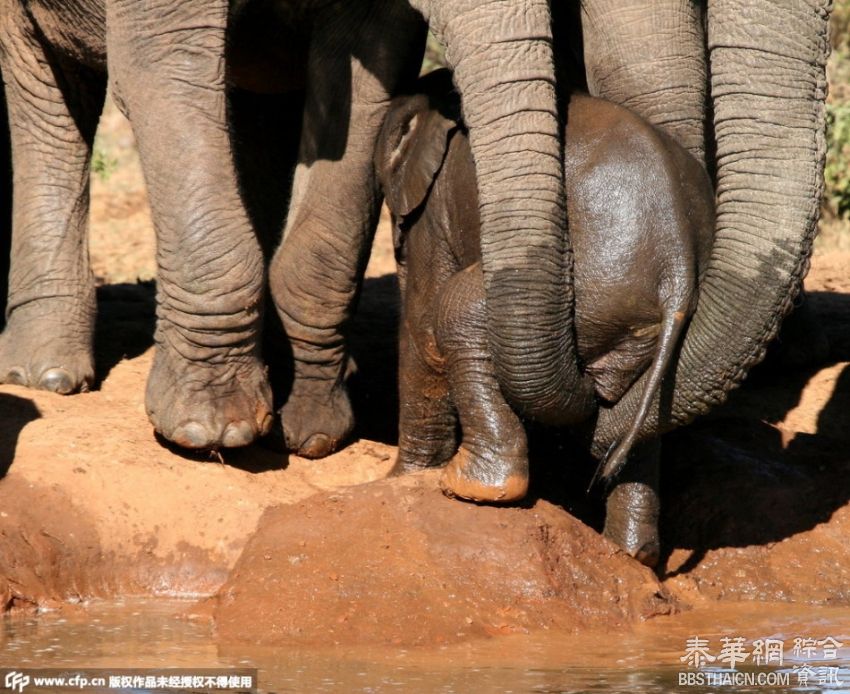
(208, 386)
(168, 73)
(5, 203)
(758, 70)
(182, 89)
(641, 213)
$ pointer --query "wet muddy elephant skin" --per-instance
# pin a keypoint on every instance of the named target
(672, 62)
(641, 213)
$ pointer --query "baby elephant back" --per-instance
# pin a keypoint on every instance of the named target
(632, 184)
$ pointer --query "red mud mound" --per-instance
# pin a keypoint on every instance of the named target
(397, 562)
(92, 504)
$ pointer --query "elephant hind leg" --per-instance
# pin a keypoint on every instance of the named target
(361, 54)
(492, 462)
(54, 106)
(632, 507)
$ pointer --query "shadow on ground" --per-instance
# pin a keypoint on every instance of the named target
(15, 414)
(373, 341)
(773, 462)
(126, 317)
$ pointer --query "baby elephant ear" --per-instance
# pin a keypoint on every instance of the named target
(413, 146)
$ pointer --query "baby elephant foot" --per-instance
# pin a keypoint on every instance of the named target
(45, 350)
(316, 420)
(631, 521)
(474, 478)
(201, 405)
(427, 454)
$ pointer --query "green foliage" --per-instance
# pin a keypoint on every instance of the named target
(836, 201)
(837, 171)
(434, 55)
(102, 164)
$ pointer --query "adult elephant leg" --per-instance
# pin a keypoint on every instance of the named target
(359, 54)
(649, 56)
(266, 131)
(207, 386)
(5, 202)
(53, 112)
(768, 86)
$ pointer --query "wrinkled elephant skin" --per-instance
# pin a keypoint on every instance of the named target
(641, 213)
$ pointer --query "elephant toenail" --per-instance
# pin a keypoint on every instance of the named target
(266, 425)
(317, 446)
(237, 434)
(57, 380)
(192, 435)
(16, 376)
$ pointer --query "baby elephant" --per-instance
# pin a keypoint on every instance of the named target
(641, 219)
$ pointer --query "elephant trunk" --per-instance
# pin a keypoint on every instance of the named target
(504, 70)
(768, 87)
(646, 55)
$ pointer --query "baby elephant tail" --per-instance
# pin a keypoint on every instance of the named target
(672, 323)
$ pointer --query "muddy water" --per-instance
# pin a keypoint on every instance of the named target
(149, 633)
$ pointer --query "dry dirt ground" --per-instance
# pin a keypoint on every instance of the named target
(756, 499)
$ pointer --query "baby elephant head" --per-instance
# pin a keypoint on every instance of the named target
(414, 141)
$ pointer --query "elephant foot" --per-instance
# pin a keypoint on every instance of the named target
(409, 460)
(202, 405)
(41, 348)
(631, 521)
(469, 477)
(316, 421)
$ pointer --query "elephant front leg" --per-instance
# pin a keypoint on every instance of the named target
(492, 462)
(631, 517)
(359, 53)
(47, 341)
(427, 418)
(207, 387)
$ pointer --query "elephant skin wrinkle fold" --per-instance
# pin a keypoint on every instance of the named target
(641, 214)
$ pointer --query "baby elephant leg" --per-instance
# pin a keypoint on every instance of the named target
(427, 420)
(492, 462)
(631, 517)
